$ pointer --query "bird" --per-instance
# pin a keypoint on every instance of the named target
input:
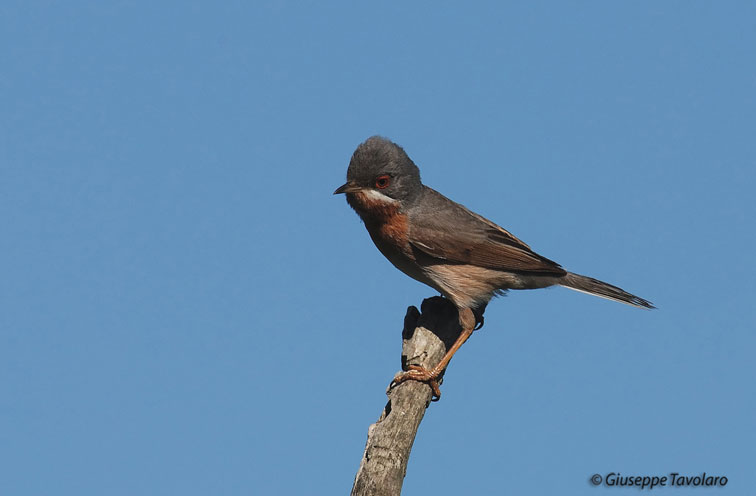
(464, 256)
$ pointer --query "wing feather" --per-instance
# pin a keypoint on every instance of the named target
(458, 235)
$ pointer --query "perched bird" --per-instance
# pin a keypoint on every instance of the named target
(462, 255)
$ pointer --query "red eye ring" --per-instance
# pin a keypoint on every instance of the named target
(382, 182)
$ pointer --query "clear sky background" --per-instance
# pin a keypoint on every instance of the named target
(186, 309)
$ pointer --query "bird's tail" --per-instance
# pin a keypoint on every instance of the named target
(599, 288)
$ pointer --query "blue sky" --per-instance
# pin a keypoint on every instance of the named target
(186, 309)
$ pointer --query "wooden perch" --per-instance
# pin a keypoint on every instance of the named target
(426, 337)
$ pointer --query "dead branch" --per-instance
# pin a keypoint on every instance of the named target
(426, 337)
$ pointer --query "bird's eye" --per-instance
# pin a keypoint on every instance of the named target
(382, 182)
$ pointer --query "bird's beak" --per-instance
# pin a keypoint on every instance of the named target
(347, 188)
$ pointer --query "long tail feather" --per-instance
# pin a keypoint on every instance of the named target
(604, 290)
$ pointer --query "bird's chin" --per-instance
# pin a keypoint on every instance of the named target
(372, 206)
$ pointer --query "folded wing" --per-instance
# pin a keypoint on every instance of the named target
(465, 237)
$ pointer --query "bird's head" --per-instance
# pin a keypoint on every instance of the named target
(381, 170)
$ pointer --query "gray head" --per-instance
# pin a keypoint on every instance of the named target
(382, 166)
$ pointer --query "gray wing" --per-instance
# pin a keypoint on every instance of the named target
(456, 234)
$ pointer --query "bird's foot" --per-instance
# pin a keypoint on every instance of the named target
(420, 374)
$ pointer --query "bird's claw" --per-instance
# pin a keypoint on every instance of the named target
(420, 374)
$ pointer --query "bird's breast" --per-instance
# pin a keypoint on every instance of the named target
(387, 224)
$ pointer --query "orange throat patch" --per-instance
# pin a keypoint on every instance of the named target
(382, 217)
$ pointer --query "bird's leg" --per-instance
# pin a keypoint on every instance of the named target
(417, 373)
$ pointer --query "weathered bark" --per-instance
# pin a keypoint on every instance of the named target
(426, 337)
